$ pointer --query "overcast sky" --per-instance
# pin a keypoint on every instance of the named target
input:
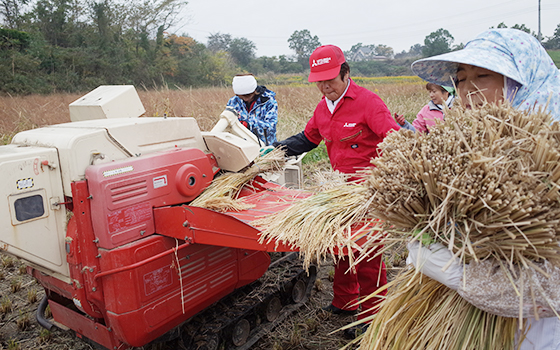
(396, 23)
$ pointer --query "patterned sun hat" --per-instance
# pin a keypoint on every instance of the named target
(510, 52)
(481, 52)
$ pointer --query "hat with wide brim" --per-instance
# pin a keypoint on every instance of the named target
(484, 53)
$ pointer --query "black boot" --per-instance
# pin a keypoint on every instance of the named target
(355, 331)
(334, 310)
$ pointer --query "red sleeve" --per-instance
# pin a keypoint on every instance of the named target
(380, 120)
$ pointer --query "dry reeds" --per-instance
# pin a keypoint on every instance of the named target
(421, 313)
(485, 184)
(222, 194)
(318, 224)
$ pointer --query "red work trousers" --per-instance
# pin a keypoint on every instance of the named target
(349, 285)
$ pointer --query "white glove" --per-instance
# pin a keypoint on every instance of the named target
(432, 259)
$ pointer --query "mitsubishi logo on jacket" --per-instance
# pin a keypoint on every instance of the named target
(349, 125)
(321, 61)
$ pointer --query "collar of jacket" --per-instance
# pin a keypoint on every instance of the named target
(350, 93)
(449, 103)
(261, 93)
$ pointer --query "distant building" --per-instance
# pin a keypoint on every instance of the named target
(365, 53)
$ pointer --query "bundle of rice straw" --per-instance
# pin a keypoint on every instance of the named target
(222, 194)
(485, 184)
(318, 224)
(429, 315)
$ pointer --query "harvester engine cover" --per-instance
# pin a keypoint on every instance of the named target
(123, 193)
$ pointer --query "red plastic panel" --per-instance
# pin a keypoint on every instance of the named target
(84, 326)
(144, 302)
(124, 193)
(252, 265)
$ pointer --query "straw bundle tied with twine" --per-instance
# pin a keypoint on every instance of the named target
(484, 184)
(222, 194)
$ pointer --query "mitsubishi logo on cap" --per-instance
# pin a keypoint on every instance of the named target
(321, 61)
(325, 63)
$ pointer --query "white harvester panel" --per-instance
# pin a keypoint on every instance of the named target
(232, 152)
(33, 226)
(91, 142)
(107, 102)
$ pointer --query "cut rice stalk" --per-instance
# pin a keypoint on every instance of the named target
(318, 224)
(222, 194)
(421, 313)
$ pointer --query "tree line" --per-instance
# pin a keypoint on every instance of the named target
(75, 45)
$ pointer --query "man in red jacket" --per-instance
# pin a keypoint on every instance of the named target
(352, 121)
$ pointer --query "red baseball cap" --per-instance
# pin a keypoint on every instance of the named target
(325, 63)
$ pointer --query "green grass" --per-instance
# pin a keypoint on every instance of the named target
(555, 55)
(301, 80)
(316, 155)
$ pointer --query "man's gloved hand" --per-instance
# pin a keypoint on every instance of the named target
(265, 150)
(431, 259)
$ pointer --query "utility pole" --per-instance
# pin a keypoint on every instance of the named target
(539, 21)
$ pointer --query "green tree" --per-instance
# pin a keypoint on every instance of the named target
(11, 12)
(102, 18)
(384, 50)
(553, 42)
(13, 39)
(148, 16)
(437, 42)
(219, 42)
(416, 50)
(522, 27)
(52, 20)
(303, 44)
(289, 66)
(242, 50)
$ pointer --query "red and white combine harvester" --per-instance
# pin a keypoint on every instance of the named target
(99, 210)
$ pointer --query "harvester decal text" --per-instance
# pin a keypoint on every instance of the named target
(118, 171)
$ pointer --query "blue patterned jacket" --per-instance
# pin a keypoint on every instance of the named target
(262, 118)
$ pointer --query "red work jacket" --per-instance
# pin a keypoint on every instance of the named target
(360, 121)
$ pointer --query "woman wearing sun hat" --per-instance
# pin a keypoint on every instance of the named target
(526, 75)
(499, 65)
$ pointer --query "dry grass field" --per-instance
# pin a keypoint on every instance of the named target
(296, 105)
(310, 327)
